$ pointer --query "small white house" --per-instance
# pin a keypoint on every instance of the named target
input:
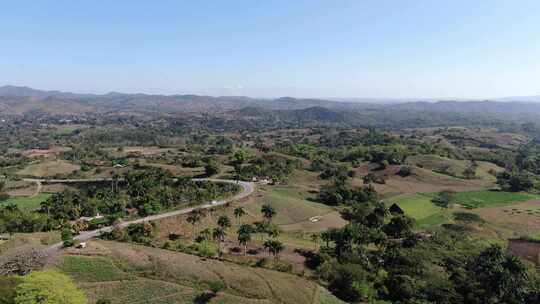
(81, 245)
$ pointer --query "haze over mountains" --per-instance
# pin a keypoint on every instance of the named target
(15, 100)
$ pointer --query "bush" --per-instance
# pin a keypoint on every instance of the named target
(206, 249)
(98, 223)
(7, 289)
(444, 198)
(456, 227)
(404, 171)
(216, 286)
(67, 237)
(467, 217)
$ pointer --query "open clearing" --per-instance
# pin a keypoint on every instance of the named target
(420, 181)
(34, 240)
(49, 168)
(27, 203)
(290, 204)
(454, 167)
(420, 207)
(522, 218)
(127, 273)
(490, 198)
(293, 202)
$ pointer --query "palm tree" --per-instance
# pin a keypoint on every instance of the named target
(268, 212)
(326, 236)
(219, 234)
(244, 235)
(315, 237)
(194, 217)
(273, 230)
(239, 212)
(261, 227)
(274, 246)
(224, 222)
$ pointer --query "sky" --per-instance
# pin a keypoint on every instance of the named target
(373, 49)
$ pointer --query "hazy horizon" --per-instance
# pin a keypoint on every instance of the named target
(536, 98)
(305, 49)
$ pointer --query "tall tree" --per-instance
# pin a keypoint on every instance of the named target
(274, 247)
(219, 235)
(194, 217)
(244, 235)
(239, 212)
(224, 222)
(268, 212)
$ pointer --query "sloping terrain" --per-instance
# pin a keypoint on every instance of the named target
(127, 273)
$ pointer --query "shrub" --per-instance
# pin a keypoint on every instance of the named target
(467, 217)
(98, 223)
(216, 286)
(206, 249)
(67, 237)
(404, 171)
(7, 289)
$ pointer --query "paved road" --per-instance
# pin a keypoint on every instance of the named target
(247, 189)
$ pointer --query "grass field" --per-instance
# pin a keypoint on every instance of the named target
(92, 269)
(487, 198)
(422, 180)
(34, 240)
(126, 273)
(455, 166)
(68, 129)
(27, 203)
(49, 168)
(420, 207)
(290, 203)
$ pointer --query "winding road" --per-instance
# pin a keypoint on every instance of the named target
(247, 190)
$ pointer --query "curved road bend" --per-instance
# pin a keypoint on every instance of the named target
(247, 189)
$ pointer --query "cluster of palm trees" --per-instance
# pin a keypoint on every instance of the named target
(244, 231)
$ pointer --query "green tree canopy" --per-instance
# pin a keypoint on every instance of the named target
(48, 287)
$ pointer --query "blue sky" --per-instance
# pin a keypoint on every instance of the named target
(399, 49)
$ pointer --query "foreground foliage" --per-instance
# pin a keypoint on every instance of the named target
(48, 287)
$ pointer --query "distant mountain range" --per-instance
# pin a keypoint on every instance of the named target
(16, 100)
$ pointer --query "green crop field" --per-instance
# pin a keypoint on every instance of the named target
(488, 198)
(92, 269)
(421, 208)
(27, 203)
(417, 206)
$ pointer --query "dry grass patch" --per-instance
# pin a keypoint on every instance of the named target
(523, 218)
(172, 269)
(422, 181)
(49, 168)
